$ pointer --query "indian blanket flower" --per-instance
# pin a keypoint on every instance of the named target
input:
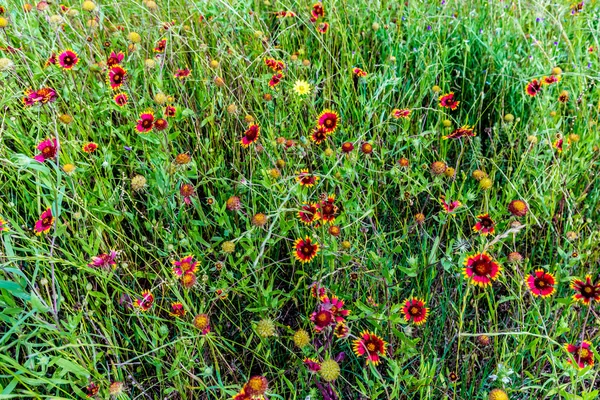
(181, 74)
(586, 291)
(358, 72)
(121, 99)
(371, 346)
(583, 354)
(89, 147)
(463, 131)
(146, 122)
(329, 120)
(319, 135)
(41, 96)
(250, 135)
(541, 283)
(45, 223)
(323, 27)
(256, 386)
(285, 14)
(301, 88)
(322, 319)
(533, 88)
(275, 79)
(450, 206)
(481, 269)
(518, 208)
(341, 330)
(104, 260)
(305, 249)
(312, 364)
(114, 58)
(145, 302)
(347, 147)
(415, 311)
(187, 190)
(328, 210)
(184, 266)
(447, 101)
(558, 145)
(51, 60)
(48, 149)
(335, 306)
(309, 213)
(161, 45)
(68, 59)
(275, 65)
(484, 225)
(549, 80)
(317, 291)
(398, 113)
(177, 310)
(306, 179)
(202, 322)
(161, 124)
(318, 11)
(3, 225)
(170, 111)
(116, 76)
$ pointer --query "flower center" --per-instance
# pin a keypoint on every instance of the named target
(371, 346)
(322, 317)
(328, 123)
(146, 123)
(414, 310)
(584, 353)
(588, 290)
(481, 268)
(67, 60)
(47, 221)
(486, 222)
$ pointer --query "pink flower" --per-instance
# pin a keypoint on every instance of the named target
(105, 261)
(146, 122)
(45, 222)
(48, 149)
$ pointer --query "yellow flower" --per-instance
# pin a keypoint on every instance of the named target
(301, 88)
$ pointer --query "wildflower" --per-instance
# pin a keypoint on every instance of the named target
(347, 147)
(358, 72)
(185, 265)
(335, 306)
(134, 37)
(323, 27)
(275, 79)
(447, 101)
(312, 364)
(558, 145)
(583, 354)
(48, 150)
(334, 230)
(138, 183)
(514, 257)
(329, 120)
(51, 60)
(419, 218)
(306, 179)
(369, 345)
(146, 122)
(120, 99)
(188, 280)
(250, 135)
(256, 386)
(586, 291)
(116, 76)
(366, 148)
(187, 191)
(233, 203)
(401, 113)
(415, 311)
(45, 223)
(104, 260)
(88, 6)
(329, 370)
(328, 210)
(3, 225)
(181, 74)
(170, 111)
(259, 220)
(161, 45)
(478, 174)
(202, 323)
(341, 330)
(319, 135)
(145, 302)
(116, 389)
(463, 131)
(438, 168)
(302, 88)
(177, 310)
(484, 225)
(265, 328)
(450, 206)
(533, 88)
(301, 338)
(114, 59)
(305, 249)
(541, 283)
(89, 147)
(549, 80)
(161, 124)
(518, 208)
(318, 11)
(316, 291)
(485, 183)
(92, 389)
(563, 97)
(498, 394)
(481, 269)
(483, 340)
(68, 59)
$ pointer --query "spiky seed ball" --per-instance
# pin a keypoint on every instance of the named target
(160, 98)
(532, 139)
(335, 230)
(201, 321)
(515, 257)
(573, 137)
(404, 162)
(151, 5)
(346, 245)
(183, 159)
(3, 22)
(447, 123)
(259, 220)
(248, 118)
(306, 63)
(419, 218)
(138, 183)
(436, 89)
(498, 394)
(150, 63)
(449, 172)
(233, 203)
(509, 118)
(267, 97)
(366, 148)
(572, 235)
(438, 168)
(6, 64)
(483, 340)
(228, 247)
(301, 338)
(256, 386)
(214, 64)
(375, 26)
(518, 208)
(328, 152)
(65, 119)
(116, 388)
(188, 280)
(232, 108)
(280, 163)
(556, 71)
(330, 370)
(485, 183)
(478, 174)
(88, 6)
(219, 81)
(265, 328)
(274, 173)
(69, 169)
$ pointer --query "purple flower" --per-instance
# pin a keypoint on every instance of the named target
(105, 261)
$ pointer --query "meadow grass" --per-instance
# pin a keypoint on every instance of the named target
(76, 320)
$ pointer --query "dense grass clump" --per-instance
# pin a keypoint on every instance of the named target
(293, 200)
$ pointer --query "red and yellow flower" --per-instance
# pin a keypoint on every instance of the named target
(309, 213)
(541, 283)
(328, 210)
(250, 135)
(415, 311)
(323, 27)
(161, 45)
(533, 88)
(45, 223)
(484, 225)
(305, 178)
(336, 306)
(68, 59)
(177, 310)
(185, 265)
(447, 101)
(121, 99)
(116, 76)
(322, 319)
(549, 80)
(398, 113)
(329, 120)
(359, 72)
(146, 122)
(89, 147)
(114, 58)
(371, 346)
(481, 269)
(305, 249)
(275, 79)
(48, 149)
(319, 135)
(586, 291)
(145, 302)
(450, 206)
(181, 74)
(583, 354)
(463, 131)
